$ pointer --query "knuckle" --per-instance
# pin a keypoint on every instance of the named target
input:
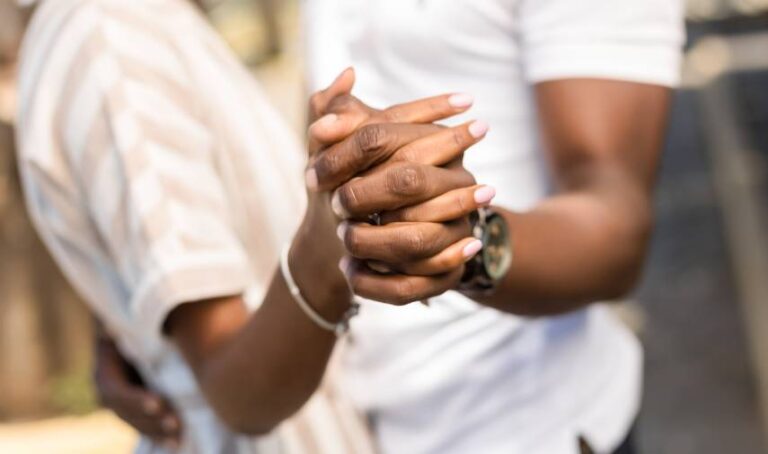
(407, 154)
(403, 292)
(393, 115)
(370, 138)
(408, 180)
(342, 103)
(327, 166)
(414, 243)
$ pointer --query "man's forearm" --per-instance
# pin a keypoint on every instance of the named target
(574, 249)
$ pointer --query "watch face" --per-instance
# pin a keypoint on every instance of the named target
(497, 253)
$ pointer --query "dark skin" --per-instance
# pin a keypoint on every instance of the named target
(121, 389)
(257, 369)
(584, 243)
(587, 241)
(215, 335)
(604, 140)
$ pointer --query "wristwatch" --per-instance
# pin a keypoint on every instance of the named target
(485, 270)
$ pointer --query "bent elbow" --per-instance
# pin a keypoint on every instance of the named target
(624, 269)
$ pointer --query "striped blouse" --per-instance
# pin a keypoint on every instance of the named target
(157, 174)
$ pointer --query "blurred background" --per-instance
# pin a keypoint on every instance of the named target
(701, 310)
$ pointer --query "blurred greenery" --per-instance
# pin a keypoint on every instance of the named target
(73, 393)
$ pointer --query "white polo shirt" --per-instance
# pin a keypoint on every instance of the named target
(457, 377)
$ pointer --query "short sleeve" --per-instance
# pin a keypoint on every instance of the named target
(145, 158)
(633, 40)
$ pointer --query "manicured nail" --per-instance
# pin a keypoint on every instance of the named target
(344, 264)
(461, 101)
(472, 248)
(341, 230)
(478, 129)
(337, 207)
(379, 267)
(151, 406)
(170, 424)
(484, 195)
(311, 179)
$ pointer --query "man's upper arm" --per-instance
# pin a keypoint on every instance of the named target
(591, 122)
(601, 69)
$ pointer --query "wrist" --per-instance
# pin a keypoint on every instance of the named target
(314, 267)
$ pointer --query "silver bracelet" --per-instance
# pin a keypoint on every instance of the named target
(339, 328)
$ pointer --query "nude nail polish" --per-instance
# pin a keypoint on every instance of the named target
(484, 195)
(461, 101)
(341, 230)
(478, 129)
(337, 207)
(472, 249)
(344, 264)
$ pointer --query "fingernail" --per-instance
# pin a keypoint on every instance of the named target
(341, 230)
(344, 264)
(472, 248)
(151, 406)
(379, 267)
(460, 101)
(311, 179)
(337, 207)
(484, 195)
(478, 129)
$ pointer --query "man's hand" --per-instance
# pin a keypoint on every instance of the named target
(120, 388)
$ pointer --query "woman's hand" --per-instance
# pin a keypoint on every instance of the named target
(120, 388)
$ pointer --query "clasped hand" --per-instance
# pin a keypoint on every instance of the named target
(399, 168)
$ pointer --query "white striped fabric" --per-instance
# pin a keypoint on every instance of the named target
(157, 174)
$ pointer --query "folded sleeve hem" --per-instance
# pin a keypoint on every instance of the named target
(213, 278)
(657, 65)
